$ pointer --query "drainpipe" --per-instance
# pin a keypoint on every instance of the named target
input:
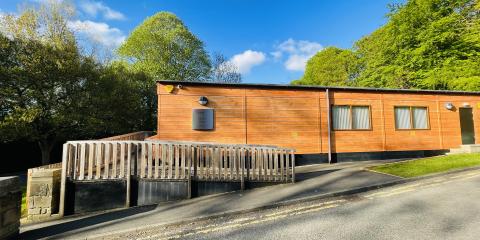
(329, 128)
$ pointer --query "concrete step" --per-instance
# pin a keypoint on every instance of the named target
(456, 151)
(471, 148)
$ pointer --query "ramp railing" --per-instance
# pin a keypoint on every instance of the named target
(174, 160)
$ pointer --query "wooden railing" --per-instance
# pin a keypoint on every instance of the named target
(135, 136)
(173, 161)
(93, 160)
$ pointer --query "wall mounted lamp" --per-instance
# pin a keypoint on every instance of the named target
(203, 100)
(449, 105)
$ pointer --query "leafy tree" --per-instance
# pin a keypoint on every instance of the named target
(331, 67)
(163, 47)
(39, 90)
(426, 44)
(431, 44)
(224, 71)
(50, 93)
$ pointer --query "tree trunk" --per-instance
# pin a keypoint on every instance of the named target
(46, 148)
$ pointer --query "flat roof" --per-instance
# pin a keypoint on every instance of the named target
(314, 87)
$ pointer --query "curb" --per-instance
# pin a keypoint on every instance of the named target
(344, 193)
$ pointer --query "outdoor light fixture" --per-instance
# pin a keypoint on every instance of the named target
(203, 100)
(449, 106)
(467, 105)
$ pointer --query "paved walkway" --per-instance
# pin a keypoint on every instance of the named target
(313, 180)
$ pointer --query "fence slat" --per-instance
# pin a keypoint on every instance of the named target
(91, 155)
(171, 154)
(98, 160)
(287, 167)
(293, 166)
(82, 162)
(156, 150)
(200, 158)
(122, 160)
(182, 162)
(107, 161)
(87, 160)
(275, 165)
(282, 164)
(177, 161)
(114, 159)
(253, 166)
(164, 158)
(149, 159)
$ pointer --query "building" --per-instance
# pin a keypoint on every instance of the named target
(364, 123)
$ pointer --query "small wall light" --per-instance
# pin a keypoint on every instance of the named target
(467, 105)
(449, 106)
(203, 100)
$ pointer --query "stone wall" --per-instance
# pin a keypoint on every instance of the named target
(10, 204)
(43, 193)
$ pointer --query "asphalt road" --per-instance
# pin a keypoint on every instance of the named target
(446, 208)
(446, 211)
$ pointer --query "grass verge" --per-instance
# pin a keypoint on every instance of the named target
(425, 166)
(24, 202)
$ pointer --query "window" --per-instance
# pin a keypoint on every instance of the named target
(351, 117)
(411, 118)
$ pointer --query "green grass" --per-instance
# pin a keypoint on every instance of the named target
(24, 202)
(425, 166)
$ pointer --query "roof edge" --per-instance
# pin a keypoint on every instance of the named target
(313, 87)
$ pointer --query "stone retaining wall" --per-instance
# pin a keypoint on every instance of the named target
(10, 204)
(43, 193)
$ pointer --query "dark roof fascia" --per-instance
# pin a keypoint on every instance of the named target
(314, 87)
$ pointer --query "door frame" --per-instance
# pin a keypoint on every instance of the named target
(472, 122)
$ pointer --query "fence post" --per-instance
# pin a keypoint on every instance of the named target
(63, 181)
(293, 167)
(189, 169)
(242, 165)
(128, 174)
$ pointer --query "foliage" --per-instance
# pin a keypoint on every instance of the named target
(50, 93)
(164, 48)
(426, 44)
(331, 67)
(420, 167)
(224, 71)
(38, 90)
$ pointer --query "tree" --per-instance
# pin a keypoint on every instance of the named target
(39, 90)
(224, 71)
(426, 44)
(331, 67)
(429, 44)
(164, 48)
(50, 93)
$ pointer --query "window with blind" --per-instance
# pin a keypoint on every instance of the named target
(349, 117)
(407, 117)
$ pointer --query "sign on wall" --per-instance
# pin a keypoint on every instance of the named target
(202, 119)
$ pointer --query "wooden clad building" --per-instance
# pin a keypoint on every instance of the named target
(345, 123)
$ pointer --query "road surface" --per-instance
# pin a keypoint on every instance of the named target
(439, 208)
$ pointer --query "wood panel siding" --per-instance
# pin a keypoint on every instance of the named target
(297, 118)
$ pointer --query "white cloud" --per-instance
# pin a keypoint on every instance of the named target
(93, 8)
(277, 55)
(98, 32)
(298, 53)
(48, 1)
(247, 60)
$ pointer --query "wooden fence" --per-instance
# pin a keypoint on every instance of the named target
(168, 160)
(135, 136)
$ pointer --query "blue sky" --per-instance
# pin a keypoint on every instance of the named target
(268, 40)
